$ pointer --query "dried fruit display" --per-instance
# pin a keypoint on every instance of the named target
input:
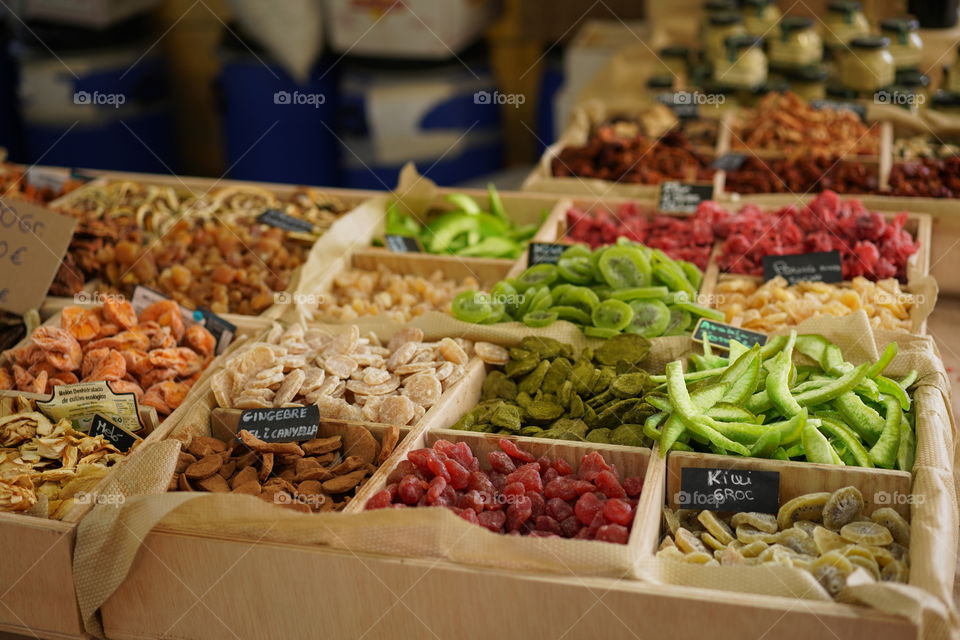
(805, 174)
(831, 413)
(399, 297)
(772, 305)
(788, 123)
(625, 288)
(516, 493)
(43, 466)
(347, 376)
(153, 356)
(681, 238)
(14, 183)
(828, 534)
(468, 230)
(926, 178)
(869, 244)
(318, 475)
(201, 251)
(625, 152)
(544, 391)
(923, 147)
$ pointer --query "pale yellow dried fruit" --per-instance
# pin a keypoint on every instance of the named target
(761, 521)
(895, 571)
(805, 507)
(717, 527)
(843, 507)
(827, 540)
(688, 542)
(867, 533)
(897, 525)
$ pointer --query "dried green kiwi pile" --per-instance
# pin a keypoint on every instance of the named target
(827, 534)
(546, 392)
(623, 288)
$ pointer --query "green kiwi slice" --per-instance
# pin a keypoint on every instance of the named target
(650, 318)
(612, 314)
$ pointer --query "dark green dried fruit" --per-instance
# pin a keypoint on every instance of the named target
(533, 381)
(523, 399)
(545, 347)
(630, 385)
(576, 408)
(629, 435)
(498, 385)
(517, 368)
(578, 427)
(542, 410)
(506, 416)
(629, 347)
(531, 431)
(599, 435)
(559, 372)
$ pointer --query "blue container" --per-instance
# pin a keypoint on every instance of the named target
(274, 129)
(444, 119)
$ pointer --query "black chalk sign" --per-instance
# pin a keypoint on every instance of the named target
(118, 437)
(822, 266)
(719, 334)
(544, 253)
(284, 424)
(836, 105)
(223, 331)
(729, 490)
(729, 162)
(403, 244)
(683, 197)
(682, 103)
(279, 219)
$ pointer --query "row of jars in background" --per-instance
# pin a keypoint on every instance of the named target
(755, 49)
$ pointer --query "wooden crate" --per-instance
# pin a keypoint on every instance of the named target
(38, 595)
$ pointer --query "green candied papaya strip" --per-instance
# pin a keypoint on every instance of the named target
(707, 362)
(766, 444)
(699, 427)
(827, 354)
(464, 202)
(691, 415)
(742, 375)
(849, 438)
(889, 353)
(691, 376)
(496, 204)
(795, 451)
(907, 381)
(838, 387)
(780, 454)
(727, 412)
(671, 432)
(651, 426)
(868, 389)
(884, 452)
(907, 451)
(709, 395)
(861, 418)
(658, 401)
(891, 388)
(778, 385)
(735, 349)
(759, 402)
(682, 446)
(816, 447)
(773, 347)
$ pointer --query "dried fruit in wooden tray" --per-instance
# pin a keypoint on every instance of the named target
(803, 174)
(544, 391)
(759, 402)
(399, 297)
(786, 122)
(926, 178)
(153, 356)
(45, 467)
(772, 305)
(515, 493)
(15, 182)
(318, 475)
(870, 245)
(634, 152)
(828, 534)
(347, 376)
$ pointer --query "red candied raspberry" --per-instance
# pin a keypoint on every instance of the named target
(379, 500)
(562, 488)
(562, 467)
(518, 513)
(558, 509)
(437, 487)
(591, 465)
(538, 504)
(612, 533)
(492, 520)
(618, 512)
(570, 526)
(546, 523)
(421, 458)
(459, 475)
(514, 489)
(468, 514)
(529, 475)
(511, 449)
(633, 486)
(411, 489)
(403, 468)
(501, 462)
(472, 499)
(587, 507)
(609, 485)
(550, 474)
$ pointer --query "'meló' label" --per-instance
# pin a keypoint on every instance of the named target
(284, 424)
(729, 490)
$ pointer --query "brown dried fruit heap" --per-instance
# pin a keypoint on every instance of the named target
(43, 466)
(323, 474)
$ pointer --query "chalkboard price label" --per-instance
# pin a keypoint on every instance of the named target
(729, 162)
(683, 104)
(114, 434)
(683, 197)
(223, 332)
(284, 424)
(544, 253)
(403, 244)
(279, 219)
(821, 266)
(720, 334)
(729, 490)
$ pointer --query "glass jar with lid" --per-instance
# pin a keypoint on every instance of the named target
(868, 65)
(906, 46)
(676, 60)
(744, 66)
(797, 45)
(718, 28)
(844, 22)
(810, 83)
(760, 17)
